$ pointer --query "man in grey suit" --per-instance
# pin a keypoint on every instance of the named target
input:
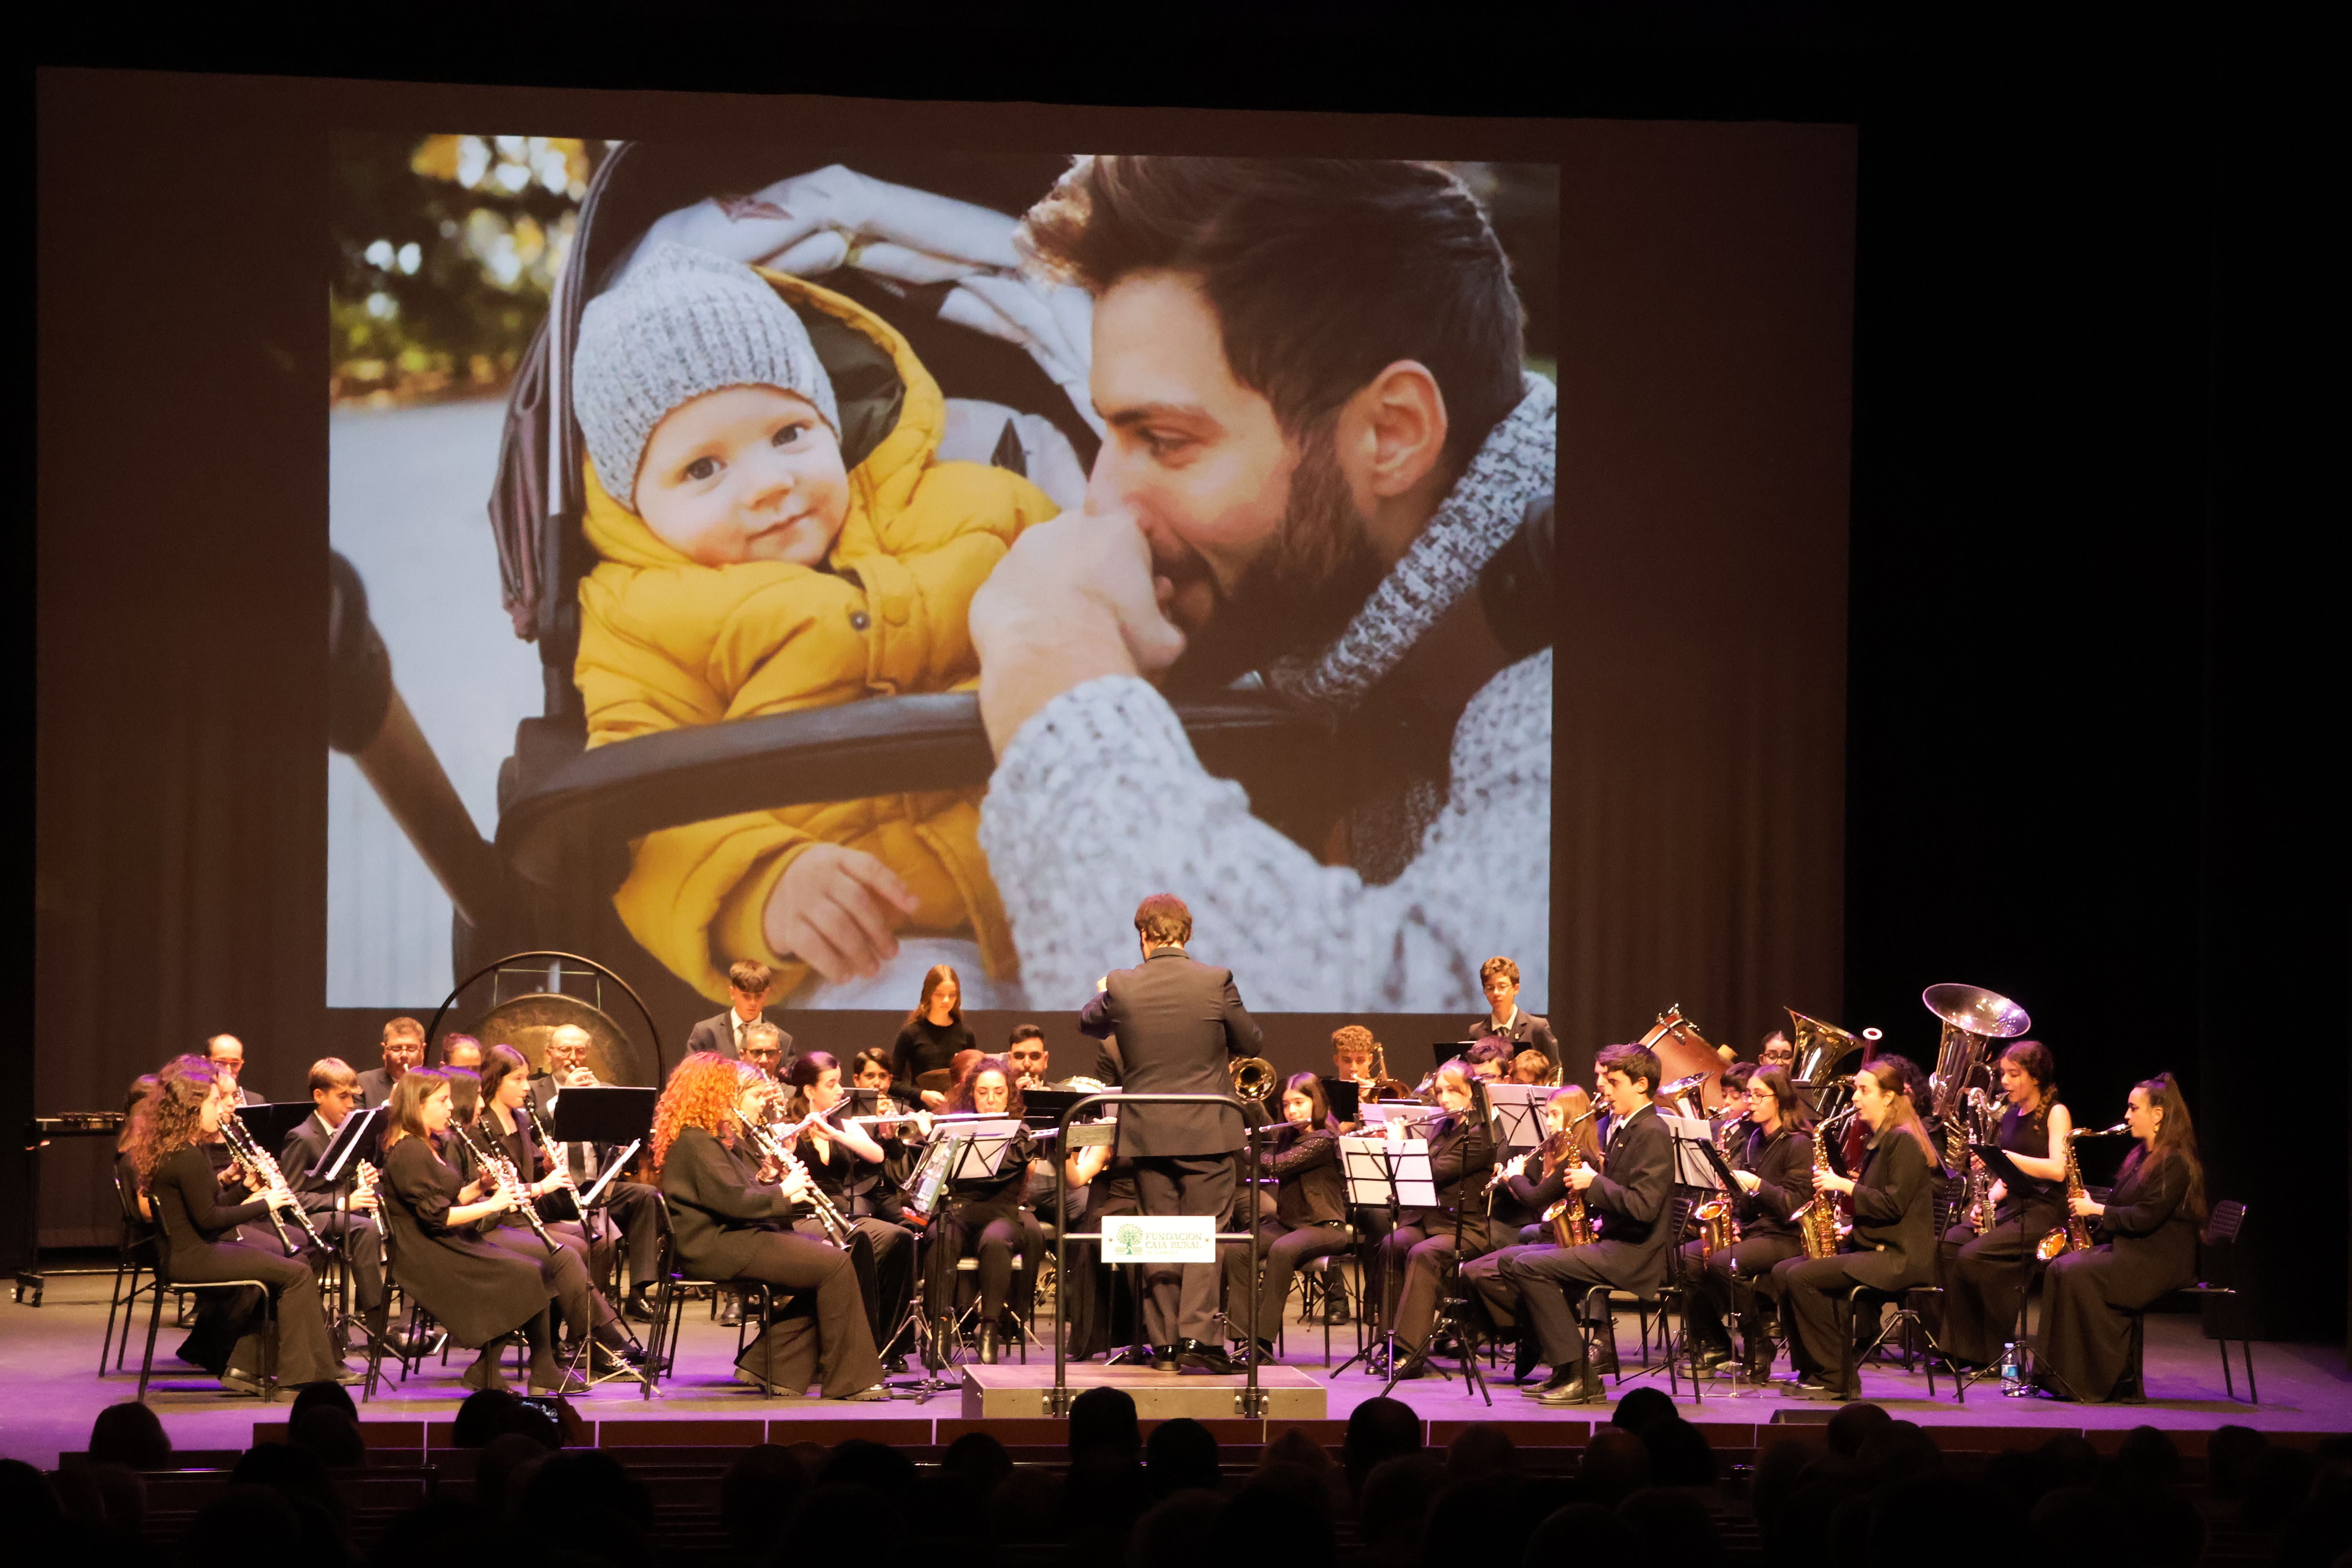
(1179, 1024)
(747, 994)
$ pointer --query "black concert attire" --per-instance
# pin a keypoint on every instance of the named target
(579, 1303)
(631, 1208)
(987, 1220)
(478, 1292)
(1525, 1032)
(2150, 1248)
(923, 1047)
(724, 1034)
(1460, 1158)
(1724, 1281)
(1310, 1220)
(1628, 1201)
(1890, 1249)
(199, 1243)
(1179, 1023)
(730, 1226)
(891, 1246)
(1987, 1277)
(325, 1206)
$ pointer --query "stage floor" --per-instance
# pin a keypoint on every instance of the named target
(49, 1390)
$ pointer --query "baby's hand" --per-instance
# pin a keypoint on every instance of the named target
(835, 910)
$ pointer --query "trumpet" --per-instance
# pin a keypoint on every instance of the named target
(777, 1150)
(254, 1158)
(499, 1169)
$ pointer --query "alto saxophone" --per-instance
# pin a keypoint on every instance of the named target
(1817, 1221)
(2074, 1236)
(1570, 1222)
(1718, 1217)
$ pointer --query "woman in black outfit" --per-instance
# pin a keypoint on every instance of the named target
(197, 1212)
(845, 1161)
(1772, 1161)
(731, 1218)
(986, 1219)
(2150, 1222)
(1461, 1156)
(933, 1034)
(1892, 1244)
(482, 1294)
(1310, 1211)
(502, 1127)
(1985, 1283)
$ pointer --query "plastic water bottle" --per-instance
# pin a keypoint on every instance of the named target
(2013, 1369)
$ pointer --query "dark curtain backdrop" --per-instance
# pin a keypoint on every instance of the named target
(182, 579)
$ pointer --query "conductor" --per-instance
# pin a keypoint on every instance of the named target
(1179, 1023)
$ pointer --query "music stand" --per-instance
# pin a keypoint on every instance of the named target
(1699, 1164)
(270, 1123)
(1382, 1173)
(982, 1147)
(1343, 1094)
(1043, 1107)
(1516, 1113)
(330, 1169)
(1454, 1309)
(1446, 1050)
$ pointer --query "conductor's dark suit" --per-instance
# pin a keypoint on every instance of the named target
(1630, 1198)
(722, 1032)
(1179, 1023)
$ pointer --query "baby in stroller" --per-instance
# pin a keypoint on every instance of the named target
(775, 532)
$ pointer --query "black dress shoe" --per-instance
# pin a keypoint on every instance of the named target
(1409, 1364)
(731, 1311)
(1713, 1356)
(1203, 1359)
(641, 1307)
(988, 1344)
(1163, 1358)
(1575, 1390)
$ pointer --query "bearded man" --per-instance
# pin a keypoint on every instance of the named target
(1325, 472)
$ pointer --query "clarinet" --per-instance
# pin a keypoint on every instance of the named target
(554, 1152)
(501, 1171)
(837, 1230)
(251, 1156)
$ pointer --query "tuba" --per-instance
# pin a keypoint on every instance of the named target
(1973, 1018)
(1818, 1052)
(1253, 1078)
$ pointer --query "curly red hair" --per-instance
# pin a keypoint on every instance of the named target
(702, 1093)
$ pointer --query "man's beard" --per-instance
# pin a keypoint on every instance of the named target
(1301, 592)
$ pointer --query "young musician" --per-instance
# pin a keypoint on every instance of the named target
(985, 1219)
(1499, 978)
(1310, 1211)
(731, 1214)
(347, 1207)
(1629, 1205)
(503, 1129)
(198, 1214)
(1568, 1122)
(1461, 1155)
(1892, 1245)
(923, 1059)
(1772, 1159)
(1986, 1279)
(483, 1295)
(842, 1157)
(2150, 1222)
(633, 1208)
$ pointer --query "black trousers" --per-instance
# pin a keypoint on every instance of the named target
(1813, 1294)
(580, 1305)
(364, 1250)
(1419, 1254)
(628, 1215)
(821, 1336)
(1180, 1300)
(883, 1255)
(1551, 1282)
(303, 1355)
(1280, 1251)
(1723, 1285)
(996, 1238)
(1985, 1279)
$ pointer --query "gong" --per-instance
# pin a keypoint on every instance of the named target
(524, 1023)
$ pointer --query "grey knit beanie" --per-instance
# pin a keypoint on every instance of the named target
(683, 322)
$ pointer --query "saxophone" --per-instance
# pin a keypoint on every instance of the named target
(1570, 1222)
(2074, 1236)
(1718, 1217)
(1817, 1221)
(1980, 1210)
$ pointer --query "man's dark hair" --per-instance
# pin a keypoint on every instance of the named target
(1025, 1032)
(1637, 1062)
(1323, 272)
(1163, 919)
(750, 976)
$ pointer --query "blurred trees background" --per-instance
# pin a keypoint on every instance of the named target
(444, 250)
(446, 247)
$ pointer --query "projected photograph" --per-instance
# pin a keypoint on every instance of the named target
(850, 562)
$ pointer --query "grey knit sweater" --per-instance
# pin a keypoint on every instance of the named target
(1099, 800)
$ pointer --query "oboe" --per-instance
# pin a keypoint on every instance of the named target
(251, 1155)
(499, 1169)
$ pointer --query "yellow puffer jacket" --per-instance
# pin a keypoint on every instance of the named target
(666, 642)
